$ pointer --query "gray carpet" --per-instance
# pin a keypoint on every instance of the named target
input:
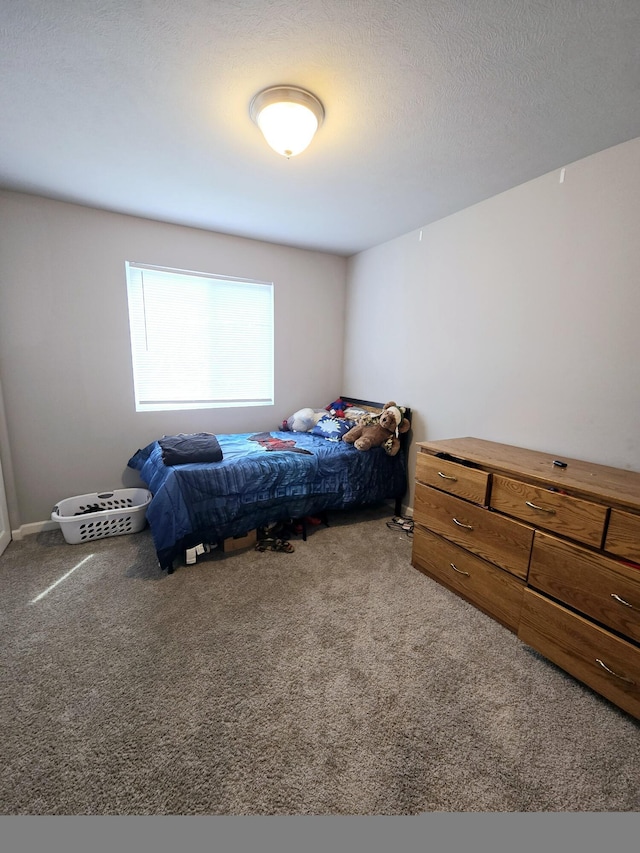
(336, 680)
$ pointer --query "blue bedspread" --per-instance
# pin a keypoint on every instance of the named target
(253, 486)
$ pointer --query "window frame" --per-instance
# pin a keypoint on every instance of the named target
(140, 330)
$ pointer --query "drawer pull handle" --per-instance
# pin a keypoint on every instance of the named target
(447, 477)
(540, 508)
(611, 672)
(459, 571)
(461, 524)
(621, 600)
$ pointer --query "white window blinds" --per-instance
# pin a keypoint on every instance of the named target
(199, 341)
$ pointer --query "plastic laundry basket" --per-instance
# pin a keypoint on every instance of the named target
(95, 516)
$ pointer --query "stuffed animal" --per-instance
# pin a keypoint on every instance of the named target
(384, 431)
(338, 408)
(303, 420)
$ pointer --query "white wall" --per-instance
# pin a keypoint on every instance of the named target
(65, 359)
(516, 320)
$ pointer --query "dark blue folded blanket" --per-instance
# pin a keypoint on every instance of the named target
(190, 447)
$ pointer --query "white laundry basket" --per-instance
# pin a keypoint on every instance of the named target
(95, 516)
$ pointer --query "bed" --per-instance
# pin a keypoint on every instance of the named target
(263, 478)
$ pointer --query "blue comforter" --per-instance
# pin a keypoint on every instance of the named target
(262, 478)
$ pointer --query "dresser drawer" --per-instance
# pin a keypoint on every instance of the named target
(578, 519)
(600, 587)
(502, 541)
(609, 665)
(460, 480)
(623, 535)
(495, 592)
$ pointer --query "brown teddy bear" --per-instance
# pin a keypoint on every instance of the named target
(384, 431)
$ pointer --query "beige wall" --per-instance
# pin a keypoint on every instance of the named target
(515, 320)
(65, 361)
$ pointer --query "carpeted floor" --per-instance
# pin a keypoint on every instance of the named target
(336, 680)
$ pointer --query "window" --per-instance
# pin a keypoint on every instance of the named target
(199, 341)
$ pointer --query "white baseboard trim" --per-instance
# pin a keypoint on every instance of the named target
(34, 527)
(40, 526)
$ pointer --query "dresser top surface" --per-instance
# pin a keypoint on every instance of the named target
(615, 486)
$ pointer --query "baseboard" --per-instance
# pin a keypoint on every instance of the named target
(34, 527)
(41, 526)
(407, 511)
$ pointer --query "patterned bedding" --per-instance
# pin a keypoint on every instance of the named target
(262, 478)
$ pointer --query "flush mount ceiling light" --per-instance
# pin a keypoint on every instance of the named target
(288, 117)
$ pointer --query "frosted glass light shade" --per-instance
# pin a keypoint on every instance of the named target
(288, 118)
(288, 128)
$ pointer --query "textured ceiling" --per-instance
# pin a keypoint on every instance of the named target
(142, 106)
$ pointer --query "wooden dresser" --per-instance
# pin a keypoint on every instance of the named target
(551, 552)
